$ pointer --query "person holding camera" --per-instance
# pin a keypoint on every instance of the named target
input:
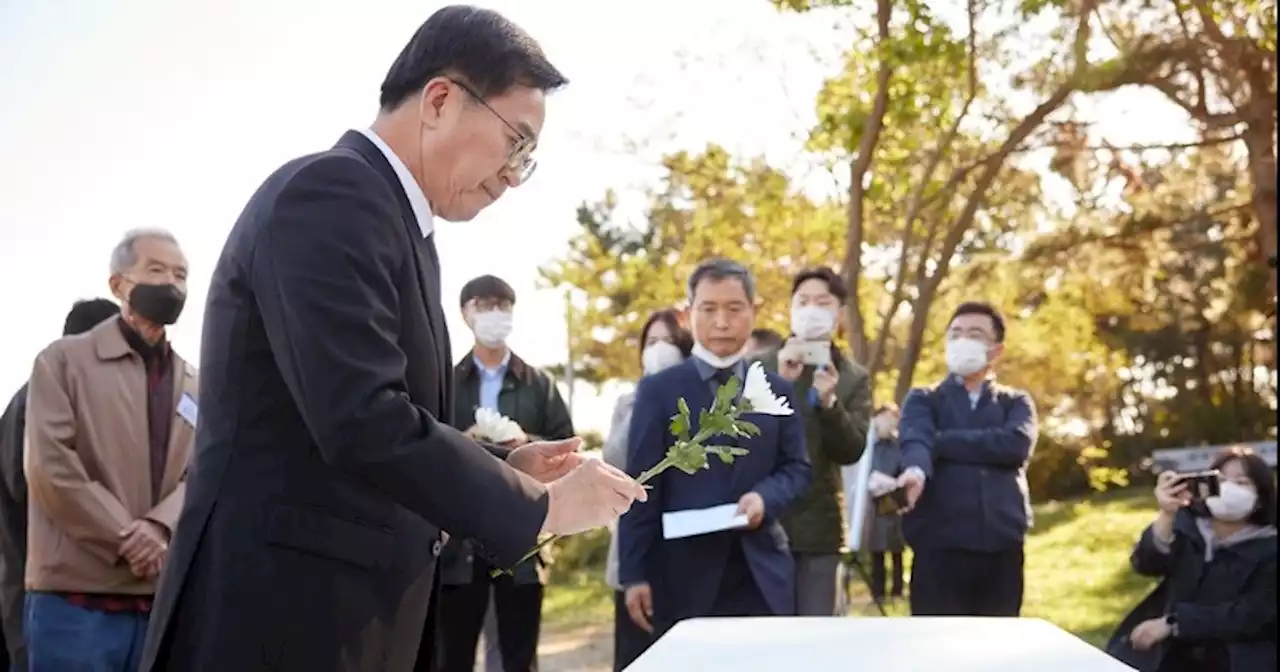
(835, 401)
(1213, 545)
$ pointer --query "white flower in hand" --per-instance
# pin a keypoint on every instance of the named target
(760, 397)
(496, 427)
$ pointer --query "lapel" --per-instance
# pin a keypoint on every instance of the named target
(426, 266)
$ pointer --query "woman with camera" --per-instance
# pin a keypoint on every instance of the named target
(1215, 550)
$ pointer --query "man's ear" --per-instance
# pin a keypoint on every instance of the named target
(116, 283)
(431, 103)
(997, 352)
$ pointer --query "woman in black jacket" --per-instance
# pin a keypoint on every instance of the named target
(1215, 608)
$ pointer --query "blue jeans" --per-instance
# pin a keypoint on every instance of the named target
(62, 637)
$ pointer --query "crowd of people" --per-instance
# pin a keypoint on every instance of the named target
(93, 451)
(356, 500)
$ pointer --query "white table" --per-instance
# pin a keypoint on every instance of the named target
(872, 644)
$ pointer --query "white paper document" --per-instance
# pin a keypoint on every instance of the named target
(692, 522)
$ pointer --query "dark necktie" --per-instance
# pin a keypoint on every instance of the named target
(722, 376)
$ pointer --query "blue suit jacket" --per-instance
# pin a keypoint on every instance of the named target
(685, 573)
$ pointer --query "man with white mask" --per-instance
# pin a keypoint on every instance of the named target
(745, 570)
(965, 445)
(492, 377)
(835, 402)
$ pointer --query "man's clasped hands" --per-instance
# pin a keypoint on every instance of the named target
(582, 493)
(143, 544)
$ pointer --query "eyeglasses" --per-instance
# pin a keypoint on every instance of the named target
(520, 160)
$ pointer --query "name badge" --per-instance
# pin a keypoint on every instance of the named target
(187, 409)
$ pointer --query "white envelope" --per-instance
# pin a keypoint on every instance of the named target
(692, 522)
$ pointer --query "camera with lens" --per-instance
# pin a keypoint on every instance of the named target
(1201, 485)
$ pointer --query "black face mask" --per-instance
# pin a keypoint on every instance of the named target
(159, 304)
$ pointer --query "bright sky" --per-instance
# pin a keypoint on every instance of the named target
(129, 113)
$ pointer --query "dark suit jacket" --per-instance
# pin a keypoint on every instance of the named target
(530, 398)
(321, 477)
(13, 530)
(685, 573)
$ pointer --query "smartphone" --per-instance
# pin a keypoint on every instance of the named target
(1202, 484)
(814, 353)
(891, 502)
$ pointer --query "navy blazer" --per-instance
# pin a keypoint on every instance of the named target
(975, 460)
(685, 573)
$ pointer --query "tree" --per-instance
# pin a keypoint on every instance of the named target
(919, 125)
(709, 205)
(1221, 70)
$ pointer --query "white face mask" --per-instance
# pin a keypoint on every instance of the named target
(492, 327)
(966, 356)
(1233, 503)
(661, 355)
(812, 323)
(886, 427)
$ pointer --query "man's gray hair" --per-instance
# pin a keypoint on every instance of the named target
(125, 254)
(723, 269)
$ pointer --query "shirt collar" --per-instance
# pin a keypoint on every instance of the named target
(501, 368)
(417, 200)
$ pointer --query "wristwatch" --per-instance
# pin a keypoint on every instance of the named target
(1172, 621)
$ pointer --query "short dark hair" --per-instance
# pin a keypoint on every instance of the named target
(723, 269)
(680, 337)
(1264, 481)
(835, 284)
(767, 338)
(982, 308)
(87, 314)
(479, 46)
(486, 287)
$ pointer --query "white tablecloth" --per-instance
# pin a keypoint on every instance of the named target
(872, 644)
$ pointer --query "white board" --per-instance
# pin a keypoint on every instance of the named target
(1196, 458)
(854, 644)
(856, 500)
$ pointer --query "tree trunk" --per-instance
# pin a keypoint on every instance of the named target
(1260, 146)
(857, 173)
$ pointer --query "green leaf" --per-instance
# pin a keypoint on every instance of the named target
(680, 425)
(746, 428)
(728, 392)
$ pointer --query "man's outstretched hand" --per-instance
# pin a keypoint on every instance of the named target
(547, 460)
(592, 495)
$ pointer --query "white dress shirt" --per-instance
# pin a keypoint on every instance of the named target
(417, 199)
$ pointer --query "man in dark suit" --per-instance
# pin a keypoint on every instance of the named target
(84, 316)
(743, 572)
(323, 478)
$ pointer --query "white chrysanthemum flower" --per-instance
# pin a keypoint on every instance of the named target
(495, 426)
(760, 396)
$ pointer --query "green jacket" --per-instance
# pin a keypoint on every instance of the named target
(834, 437)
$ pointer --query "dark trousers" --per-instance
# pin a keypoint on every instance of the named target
(879, 570)
(63, 637)
(956, 582)
(629, 640)
(518, 608)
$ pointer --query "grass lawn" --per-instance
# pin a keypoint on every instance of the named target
(1077, 572)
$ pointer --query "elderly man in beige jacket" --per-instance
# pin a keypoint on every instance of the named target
(111, 418)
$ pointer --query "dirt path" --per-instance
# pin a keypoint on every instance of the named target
(583, 649)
